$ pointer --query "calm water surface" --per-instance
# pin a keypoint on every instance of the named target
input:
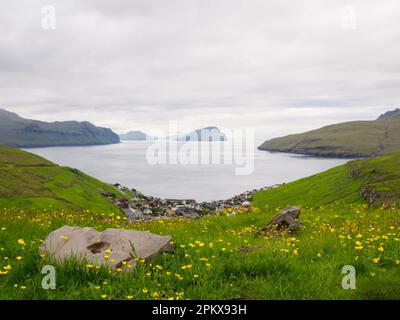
(126, 164)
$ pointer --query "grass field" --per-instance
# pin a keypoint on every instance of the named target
(225, 257)
(216, 258)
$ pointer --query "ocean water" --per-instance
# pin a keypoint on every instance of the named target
(126, 163)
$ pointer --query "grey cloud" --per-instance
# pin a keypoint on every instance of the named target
(231, 63)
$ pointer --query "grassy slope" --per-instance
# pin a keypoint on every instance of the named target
(317, 190)
(225, 257)
(27, 181)
(357, 138)
(341, 184)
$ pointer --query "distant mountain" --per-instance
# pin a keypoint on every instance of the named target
(19, 132)
(204, 134)
(348, 139)
(389, 114)
(135, 135)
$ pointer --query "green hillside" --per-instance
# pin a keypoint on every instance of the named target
(349, 139)
(217, 257)
(375, 181)
(19, 132)
(29, 181)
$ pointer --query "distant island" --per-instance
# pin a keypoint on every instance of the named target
(348, 139)
(136, 135)
(19, 132)
(204, 134)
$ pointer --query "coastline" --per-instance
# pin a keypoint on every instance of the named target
(64, 145)
(351, 156)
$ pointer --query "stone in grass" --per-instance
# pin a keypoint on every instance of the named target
(287, 220)
(116, 248)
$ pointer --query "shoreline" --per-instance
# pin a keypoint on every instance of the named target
(140, 207)
(65, 145)
(317, 155)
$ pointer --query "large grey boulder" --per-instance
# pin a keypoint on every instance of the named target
(116, 248)
(286, 220)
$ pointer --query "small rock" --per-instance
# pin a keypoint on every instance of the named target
(192, 215)
(147, 211)
(286, 220)
(246, 204)
(105, 193)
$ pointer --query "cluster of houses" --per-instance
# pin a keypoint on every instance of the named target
(137, 206)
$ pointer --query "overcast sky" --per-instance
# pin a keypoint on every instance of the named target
(276, 66)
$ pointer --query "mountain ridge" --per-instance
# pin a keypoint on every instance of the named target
(389, 114)
(20, 132)
(351, 139)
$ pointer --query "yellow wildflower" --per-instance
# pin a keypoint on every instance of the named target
(376, 260)
(187, 267)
